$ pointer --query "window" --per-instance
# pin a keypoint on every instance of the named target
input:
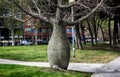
(7, 12)
(19, 16)
(44, 30)
(69, 30)
(29, 30)
(39, 30)
(29, 22)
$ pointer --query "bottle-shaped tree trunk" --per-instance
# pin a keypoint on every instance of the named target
(58, 48)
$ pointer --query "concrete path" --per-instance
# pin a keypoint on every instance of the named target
(111, 69)
(83, 67)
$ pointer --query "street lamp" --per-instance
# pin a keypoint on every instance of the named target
(35, 35)
(73, 28)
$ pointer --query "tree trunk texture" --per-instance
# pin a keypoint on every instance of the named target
(95, 30)
(103, 36)
(78, 37)
(83, 35)
(99, 23)
(109, 29)
(115, 31)
(58, 48)
(90, 30)
(119, 31)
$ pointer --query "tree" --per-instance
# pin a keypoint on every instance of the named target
(57, 13)
(113, 10)
(7, 14)
(11, 24)
(12, 17)
(36, 26)
(109, 29)
(78, 37)
(91, 33)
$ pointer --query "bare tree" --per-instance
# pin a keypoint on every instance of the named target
(12, 17)
(57, 13)
(36, 26)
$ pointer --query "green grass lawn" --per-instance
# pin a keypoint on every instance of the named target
(25, 71)
(96, 54)
(24, 53)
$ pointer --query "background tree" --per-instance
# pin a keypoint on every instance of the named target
(11, 24)
(12, 17)
(36, 26)
(112, 10)
(8, 12)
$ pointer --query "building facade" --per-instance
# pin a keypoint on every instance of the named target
(31, 31)
(34, 28)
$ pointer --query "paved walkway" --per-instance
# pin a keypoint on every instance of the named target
(83, 67)
(111, 69)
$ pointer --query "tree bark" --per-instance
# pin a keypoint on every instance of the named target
(78, 37)
(109, 29)
(91, 34)
(58, 47)
(103, 36)
(95, 30)
(115, 31)
(83, 35)
(119, 32)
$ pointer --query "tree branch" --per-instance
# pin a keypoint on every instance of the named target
(39, 12)
(86, 16)
(21, 19)
(46, 19)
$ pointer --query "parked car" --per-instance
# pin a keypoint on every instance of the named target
(25, 42)
(41, 41)
(88, 39)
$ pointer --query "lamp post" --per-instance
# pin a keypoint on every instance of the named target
(35, 35)
(73, 28)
